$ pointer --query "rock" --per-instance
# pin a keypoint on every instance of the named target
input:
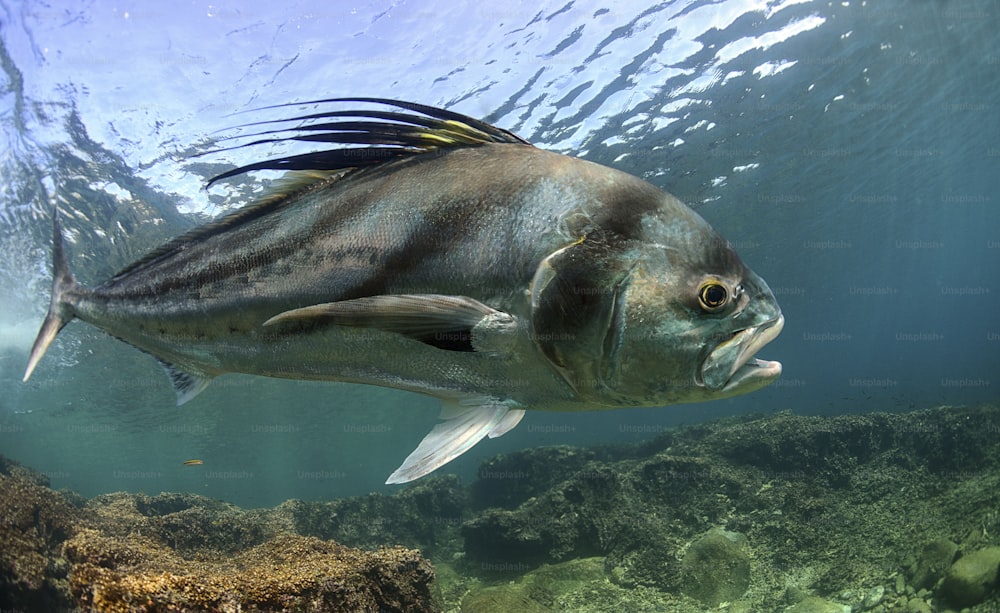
(654, 565)
(916, 605)
(579, 512)
(541, 589)
(716, 568)
(970, 579)
(187, 552)
(286, 572)
(900, 584)
(424, 516)
(507, 481)
(873, 597)
(635, 505)
(500, 599)
(795, 593)
(34, 521)
(815, 604)
(499, 534)
(934, 558)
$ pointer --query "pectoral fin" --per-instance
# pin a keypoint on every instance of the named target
(465, 424)
(443, 321)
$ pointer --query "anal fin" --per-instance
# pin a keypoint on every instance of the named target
(466, 423)
(186, 384)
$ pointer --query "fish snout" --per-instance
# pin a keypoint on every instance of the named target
(732, 368)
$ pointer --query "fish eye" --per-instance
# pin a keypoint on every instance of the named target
(712, 296)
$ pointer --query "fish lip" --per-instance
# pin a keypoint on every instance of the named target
(732, 368)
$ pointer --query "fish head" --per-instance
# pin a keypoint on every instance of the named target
(666, 315)
(691, 333)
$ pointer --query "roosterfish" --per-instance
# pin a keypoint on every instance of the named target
(432, 252)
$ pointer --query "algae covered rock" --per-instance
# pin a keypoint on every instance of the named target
(183, 552)
(798, 487)
(821, 516)
(34, 521)
(972, 577)
(935, 557)
(539, 590)
(580, 586)
(873, 597)
(716, 568)
(427, 514)
(500, 599)
(575, 519)
(289, 572)
(187, 522)
(916, 605)
(500, 542)
(508, 480)
(654, 564)
(815, 604)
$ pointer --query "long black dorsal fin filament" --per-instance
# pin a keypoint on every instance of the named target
(384, 135)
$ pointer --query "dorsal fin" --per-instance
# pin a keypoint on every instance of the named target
(394, 135)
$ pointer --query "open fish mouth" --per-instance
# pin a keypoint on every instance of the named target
(732, 368)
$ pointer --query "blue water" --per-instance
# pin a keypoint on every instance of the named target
(848, 150)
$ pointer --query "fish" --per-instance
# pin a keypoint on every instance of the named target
(416, 248)
(192, 462)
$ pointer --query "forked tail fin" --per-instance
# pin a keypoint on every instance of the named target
(60, 305)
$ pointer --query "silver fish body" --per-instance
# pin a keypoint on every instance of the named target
(486, 272)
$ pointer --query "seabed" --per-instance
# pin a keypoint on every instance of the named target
(880, 512)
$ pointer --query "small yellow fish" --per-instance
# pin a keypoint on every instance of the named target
(193, 462)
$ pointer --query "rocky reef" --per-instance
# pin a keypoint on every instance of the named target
(853, 513)
(287, 572)
(881, 513)
(182, 552)
(34, 523)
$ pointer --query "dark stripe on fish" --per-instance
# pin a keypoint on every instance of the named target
(635, 200)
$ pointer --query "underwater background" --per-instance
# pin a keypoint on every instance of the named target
(848, 150)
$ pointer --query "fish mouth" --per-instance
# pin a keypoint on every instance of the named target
(731, 368)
